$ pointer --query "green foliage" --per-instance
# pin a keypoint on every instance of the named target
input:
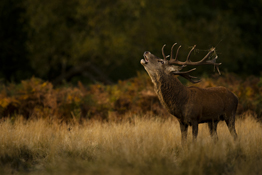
(93, 41)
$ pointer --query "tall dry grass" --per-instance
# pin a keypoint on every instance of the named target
(142, 146)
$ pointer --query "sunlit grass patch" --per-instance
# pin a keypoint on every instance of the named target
(142, 146)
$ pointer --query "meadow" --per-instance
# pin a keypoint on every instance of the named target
(143, 145)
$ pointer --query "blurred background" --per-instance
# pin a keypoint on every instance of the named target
(103, 41)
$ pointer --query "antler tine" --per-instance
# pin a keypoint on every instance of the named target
(177, 52)
(190, 78)
(187, 59)
(163, 53)
(185, 72)
(217, 68)
(171, 54)
(187, 76)
(216, 65)
(207, 55)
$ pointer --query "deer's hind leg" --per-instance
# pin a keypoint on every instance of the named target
(195, 130)
(213, 129)
(230, 121)
(183, 128)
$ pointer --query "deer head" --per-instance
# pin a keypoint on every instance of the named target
(155, 65)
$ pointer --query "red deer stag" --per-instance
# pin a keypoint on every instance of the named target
(190, 105)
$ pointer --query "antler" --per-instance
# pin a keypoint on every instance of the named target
(185, 74)
(189, 62)
(163, 53)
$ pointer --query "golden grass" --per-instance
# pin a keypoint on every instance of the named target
(143, 146)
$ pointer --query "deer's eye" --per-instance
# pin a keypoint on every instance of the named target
(162, 62)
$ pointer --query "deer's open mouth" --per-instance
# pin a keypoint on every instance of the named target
(145, 60)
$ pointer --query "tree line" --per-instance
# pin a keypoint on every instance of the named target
(103, 41)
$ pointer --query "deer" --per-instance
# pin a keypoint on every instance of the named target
(191, 105)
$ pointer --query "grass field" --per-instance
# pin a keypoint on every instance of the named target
(142, 146)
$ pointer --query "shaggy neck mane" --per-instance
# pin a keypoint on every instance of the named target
(171, 92)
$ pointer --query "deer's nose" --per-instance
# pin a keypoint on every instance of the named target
(146, 52)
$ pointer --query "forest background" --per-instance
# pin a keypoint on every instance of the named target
(74, 98)
(103, 41)
(80, 58)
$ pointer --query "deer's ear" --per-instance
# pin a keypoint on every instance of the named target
(171, 69)
(174, 68)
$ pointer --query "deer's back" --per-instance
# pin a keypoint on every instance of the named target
(211, 102)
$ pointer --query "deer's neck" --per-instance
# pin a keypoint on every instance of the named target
(171, 93)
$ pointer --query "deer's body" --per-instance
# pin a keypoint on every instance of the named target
(191, 105)
(194, 104)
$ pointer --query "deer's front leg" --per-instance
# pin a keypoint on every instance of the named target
(183, 128)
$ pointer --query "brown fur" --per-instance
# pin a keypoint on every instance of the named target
(191, 105)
